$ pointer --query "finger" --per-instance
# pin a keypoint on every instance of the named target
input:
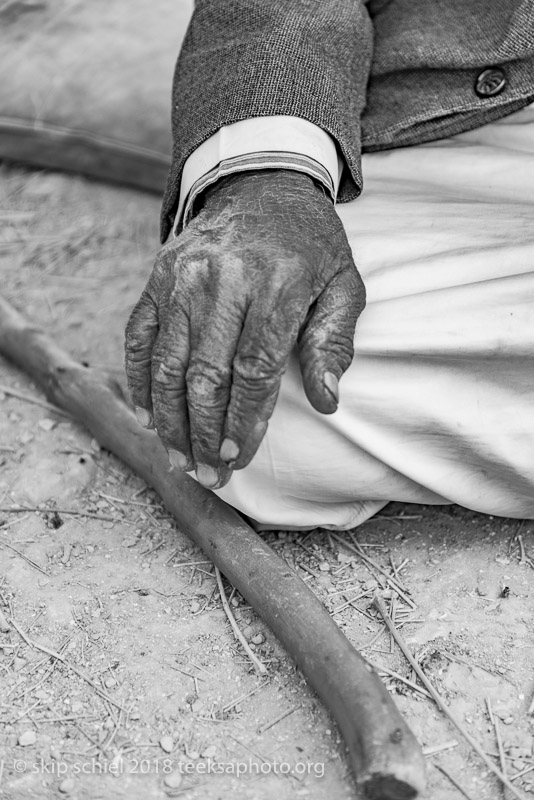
(326, 343)
(170, 359)
(209, 380)
(140, 336)
(261, 358)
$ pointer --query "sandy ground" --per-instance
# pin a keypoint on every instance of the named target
(162, 691)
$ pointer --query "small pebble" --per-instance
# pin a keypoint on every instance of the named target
(370, 584)
(195, 606)
(67, 786)
(259, 638)
(47, 424)
(173, 780)
(209, 752)
(27, 738)
(324, 566)
(130, 541)
(109, 683)
(166, 743)
(248, 632)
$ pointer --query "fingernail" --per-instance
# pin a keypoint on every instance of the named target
(207, 476)
(177, 460)
(229, 451)
(144, 417)
(332, 384)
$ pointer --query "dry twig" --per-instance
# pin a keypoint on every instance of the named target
(73, 511)
(398, 677)
(439, 748)
(453, 781)
(29, 560)
(261, 668)
(34, 400)
(380, 606)
(63, 660)
(277, 719)
(355, 548)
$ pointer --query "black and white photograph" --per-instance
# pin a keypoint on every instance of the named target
(267, 399)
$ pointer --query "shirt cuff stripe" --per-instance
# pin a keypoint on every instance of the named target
(255, 161)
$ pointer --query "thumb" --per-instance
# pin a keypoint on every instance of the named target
(326, 341)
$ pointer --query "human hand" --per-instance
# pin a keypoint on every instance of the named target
(264, 266)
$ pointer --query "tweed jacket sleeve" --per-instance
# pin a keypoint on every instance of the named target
(253, 58)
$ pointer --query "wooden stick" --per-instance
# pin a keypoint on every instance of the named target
(385, 756)
(380, 605)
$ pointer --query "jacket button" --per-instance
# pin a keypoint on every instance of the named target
(490, 82)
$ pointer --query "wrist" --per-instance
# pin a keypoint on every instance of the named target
(276, 184)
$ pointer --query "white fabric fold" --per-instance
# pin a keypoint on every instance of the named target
(438, 404)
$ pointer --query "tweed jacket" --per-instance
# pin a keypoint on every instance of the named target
(374, 75)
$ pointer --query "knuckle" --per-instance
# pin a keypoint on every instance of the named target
(208, 385)
(337, 345)
(137, 357)
(133, 334)
(167, 374)
(256, 373)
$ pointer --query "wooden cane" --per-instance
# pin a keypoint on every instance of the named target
(384, 754)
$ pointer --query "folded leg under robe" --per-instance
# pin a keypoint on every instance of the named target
(438, 405)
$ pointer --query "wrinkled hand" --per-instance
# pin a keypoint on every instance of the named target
(264, 265)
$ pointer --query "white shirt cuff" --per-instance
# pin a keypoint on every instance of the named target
(278, 142)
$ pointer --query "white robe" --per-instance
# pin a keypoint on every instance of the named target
(438, 404)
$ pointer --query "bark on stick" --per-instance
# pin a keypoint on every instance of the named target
(384, 754)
